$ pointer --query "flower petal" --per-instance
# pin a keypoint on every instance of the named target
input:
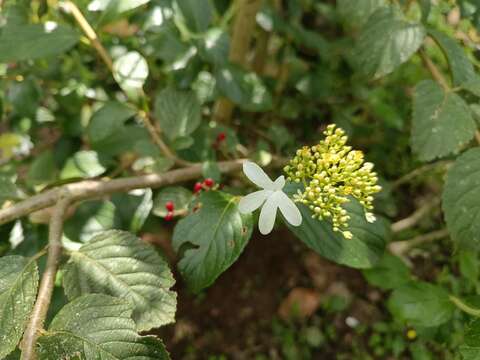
(289, 209)
(256, 175)
(253, 201)
(279, 183)
(268, 214)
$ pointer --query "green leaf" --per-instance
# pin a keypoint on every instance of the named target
(460, 66)
(215, 236)
(18, 291)
(25, 97)
(198, 13)
(178, 112)
(130, 72)
(214, 46)
(386, 42)
(113, 9)
(8, 190)
(243, 88)
(469, 265)
(84, 164)
(471, 349)
(442, 122)
(91, 218)
(119, 264)
(389, 273)
(363, 251)
(109, 119)
(97, 326)
(421, 304)
(27, 42)
(180, 197)
(43, 169)
(134, 208)
(358, 12)
(460, 200)
(211, 170)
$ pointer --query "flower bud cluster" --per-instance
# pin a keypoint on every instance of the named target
(331, 172)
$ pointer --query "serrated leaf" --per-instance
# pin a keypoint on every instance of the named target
(178, 112)
(109, 119)
(197, 13)
(97, 326)
(8, 190)
(363, 251)
(389, 273)
(83, 164)
(421, 304)
(216, 233)
(471, 349)
(244, 88)
(461, 199)
(460, 66)
(386, 42)
(442, 122)
(26, 42)
(179, 196)
(130, 72)
(214, 46)
(18, 291)
(358, 12)
(119, 264)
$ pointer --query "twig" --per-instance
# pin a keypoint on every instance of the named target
(400, 248)
(413, 219)
(477, 136)
(243, 27)
(419, 171)
(71, 8)
(436, 74)
(47, 283)
(459, 303)
(93, 188)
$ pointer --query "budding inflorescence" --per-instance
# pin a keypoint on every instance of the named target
(331, 172)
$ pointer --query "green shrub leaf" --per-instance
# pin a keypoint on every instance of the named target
(119, 264)
(97, 326)
(389, 273)
(421, 304)
(83, 164)
(215, 236)
(18, 290)
(460, 199)
(365, 248)
(180, 197)
(178, 112)
(386, 42)
(198, 13)
(35, 41)
(442, 122)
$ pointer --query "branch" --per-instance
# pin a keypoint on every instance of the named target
(400, 248)
(71, 8)
(242, 35)
(436, 74)
(47, 283)
(93, 188)
(413, 219)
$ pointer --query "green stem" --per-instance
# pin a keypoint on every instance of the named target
(464, 307)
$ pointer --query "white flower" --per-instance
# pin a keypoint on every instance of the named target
(271, 197)
(370, 217)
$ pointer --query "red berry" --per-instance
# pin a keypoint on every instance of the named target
(209, 182)
(221, 137)
(197, 187)
(169, 206)
(169, 216)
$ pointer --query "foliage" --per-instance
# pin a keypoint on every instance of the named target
(138, 113)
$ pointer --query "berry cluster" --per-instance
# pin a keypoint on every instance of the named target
(331, 172)
(207, 184)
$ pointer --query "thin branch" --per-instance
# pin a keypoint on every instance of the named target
(413, 219)
(93, 188)
(243, 28)
(436, 74)
(400, 248)
(47, 283)
(71, 8)
(459, 303)
(419, 171)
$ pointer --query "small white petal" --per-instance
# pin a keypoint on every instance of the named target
(279, 183)
(268, 214)
(256, 175)
(289, 209)
(370, 217)
(253, 201)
